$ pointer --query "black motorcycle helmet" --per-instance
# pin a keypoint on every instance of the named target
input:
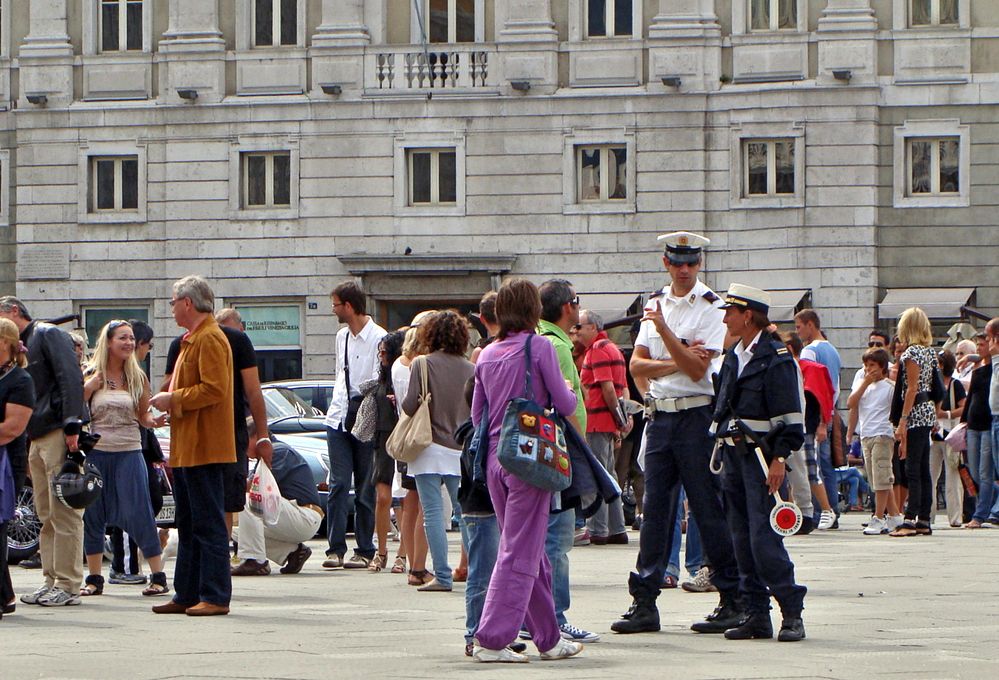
(76, 489)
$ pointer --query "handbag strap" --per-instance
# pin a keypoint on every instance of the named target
(424, 388)
(346, 360)
(527, 366)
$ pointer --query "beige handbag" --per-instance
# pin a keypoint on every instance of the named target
(412, 434)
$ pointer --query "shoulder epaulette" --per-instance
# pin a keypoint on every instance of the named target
(710, 297)
(782, 350)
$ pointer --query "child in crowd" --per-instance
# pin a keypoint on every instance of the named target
(871, 398)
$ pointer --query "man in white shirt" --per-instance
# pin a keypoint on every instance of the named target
(356, 362)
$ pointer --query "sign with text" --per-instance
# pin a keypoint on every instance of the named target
(273, 325)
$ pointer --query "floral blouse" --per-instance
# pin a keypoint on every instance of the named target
(924, 414)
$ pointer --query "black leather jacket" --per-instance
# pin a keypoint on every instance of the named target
(58, 380)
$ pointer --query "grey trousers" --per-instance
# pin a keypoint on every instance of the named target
(609, 519)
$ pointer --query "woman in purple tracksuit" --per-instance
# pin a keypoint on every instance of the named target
(521, 585)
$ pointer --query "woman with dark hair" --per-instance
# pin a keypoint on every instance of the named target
(383, 467)
(520, 592)
(445, 337)
(17, 399)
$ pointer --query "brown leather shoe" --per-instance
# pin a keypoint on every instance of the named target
(251, 568)
(618, 539)
(171, 607)
(208, 609)
(296, 559)
(598, 540)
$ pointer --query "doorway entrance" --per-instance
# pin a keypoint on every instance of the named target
(393, 314)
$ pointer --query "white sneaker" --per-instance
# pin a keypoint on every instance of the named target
(826, 519)
(570, 632)
(505, 655)
(875, 527)
(563, 650)
(32, 598)
(57, 597)
(892, 522)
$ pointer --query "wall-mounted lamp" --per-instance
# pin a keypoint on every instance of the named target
(188, 93)
(331, 88)
(672, 81)
(37, 98)
(843, 74)
(520, 85)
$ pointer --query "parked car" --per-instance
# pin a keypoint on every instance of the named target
(287, 413)
(316, 393)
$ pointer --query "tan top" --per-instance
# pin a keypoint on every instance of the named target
(113, 417)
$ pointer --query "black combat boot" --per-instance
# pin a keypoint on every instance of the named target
(792, 629)
(642, 616)
(728, 614)
(756, 626)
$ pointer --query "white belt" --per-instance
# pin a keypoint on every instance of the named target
(676, 405)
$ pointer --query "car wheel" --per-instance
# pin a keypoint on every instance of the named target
(24, 528)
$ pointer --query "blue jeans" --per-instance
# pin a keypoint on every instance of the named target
(855, 481)
(558, 543)
(434, 522)
(693, 555)
(480, 534)
(983, 471)
(202, 569)
(828, 474)
(349, 457)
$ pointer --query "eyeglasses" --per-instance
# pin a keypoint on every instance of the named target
(574, 301)
(176, 300)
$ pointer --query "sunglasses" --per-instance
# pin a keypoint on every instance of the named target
(115, 325)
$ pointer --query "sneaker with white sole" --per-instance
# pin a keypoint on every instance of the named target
(876, 527)
(701, 583)
(505, 655)
(570, 632)
(893, 522)
(57, 597)
(33, 597)
(826, 520)
(563, 650)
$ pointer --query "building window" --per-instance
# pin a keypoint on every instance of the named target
(934, 166)
(114, 183)
(608, 18)
(934, 13)
(433, 175)
(275, 22)
(602, 173)
(450, 21)
(768, 167)
(773, 15)
(121, 25)
(266, 179)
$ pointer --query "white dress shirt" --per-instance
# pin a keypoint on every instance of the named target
(364, 365)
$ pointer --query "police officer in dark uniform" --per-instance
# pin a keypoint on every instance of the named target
(758, 385)
(677, 350)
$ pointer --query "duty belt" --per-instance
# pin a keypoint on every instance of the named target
(674, 405)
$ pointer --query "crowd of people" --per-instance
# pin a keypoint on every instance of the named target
(711, 418)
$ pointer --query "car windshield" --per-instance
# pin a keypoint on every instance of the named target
(283, 403)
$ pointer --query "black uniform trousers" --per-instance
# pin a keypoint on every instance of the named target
(678, 450)
(763, 561)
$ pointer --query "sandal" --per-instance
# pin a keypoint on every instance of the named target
(420, 577)
(904, 530)
(399, 567)
(669, 582)
(93, 585)
(378, 563)
(157, 585)
(923, 529)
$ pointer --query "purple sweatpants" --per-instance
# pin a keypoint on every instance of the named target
(521, 586)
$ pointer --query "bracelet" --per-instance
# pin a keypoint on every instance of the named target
(263, 439)
(904, 417)
(948, 415)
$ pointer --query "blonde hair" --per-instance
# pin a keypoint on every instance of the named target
(412, 346)
(10, 335)
(914, 328)
(135, 379)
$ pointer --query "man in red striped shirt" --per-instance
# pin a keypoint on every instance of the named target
(604, 383)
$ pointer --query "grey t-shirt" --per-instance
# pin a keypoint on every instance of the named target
(446, 378)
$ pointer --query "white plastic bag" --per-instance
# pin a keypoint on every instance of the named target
(264, 498)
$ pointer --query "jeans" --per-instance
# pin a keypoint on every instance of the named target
(693, 554)
(828, 474)
(917, 470)
(434, 522)
(855, 482)
(980, 464)
(348, 456)
(202, 569)
(480, 534)
(558, 543)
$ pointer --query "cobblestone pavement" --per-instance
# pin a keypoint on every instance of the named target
(876, 607)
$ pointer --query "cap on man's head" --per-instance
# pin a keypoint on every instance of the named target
(747, 297)
(682, 247)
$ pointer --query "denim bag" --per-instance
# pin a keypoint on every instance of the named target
(532, 443)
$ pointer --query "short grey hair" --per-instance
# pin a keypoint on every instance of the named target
(197, 290)
(594, 318)
(9, 303)
(226, 314)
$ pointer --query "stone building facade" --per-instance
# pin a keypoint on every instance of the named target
(837, 152)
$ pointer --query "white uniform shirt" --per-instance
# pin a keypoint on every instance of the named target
(745, 354)
(364, 366)
(690, 318)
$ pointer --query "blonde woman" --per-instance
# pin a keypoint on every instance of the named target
(118, 393)
(917, 419)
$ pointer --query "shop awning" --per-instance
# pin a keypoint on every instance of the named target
(784, 304)
(938, 303)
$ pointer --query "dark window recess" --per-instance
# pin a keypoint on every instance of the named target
(105, 185)
(465, 29)
(133, 19)
(282, 180)
(597, 22)
(619, 189)
(256, 179)
(622, 17)
(289, 22)
(447, 173)
(437, 21)
(130, 184)
(109, 26)
(421, 178)
(279, 364)
(264, 17)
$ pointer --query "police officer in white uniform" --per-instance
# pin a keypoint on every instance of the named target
(676, 353)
